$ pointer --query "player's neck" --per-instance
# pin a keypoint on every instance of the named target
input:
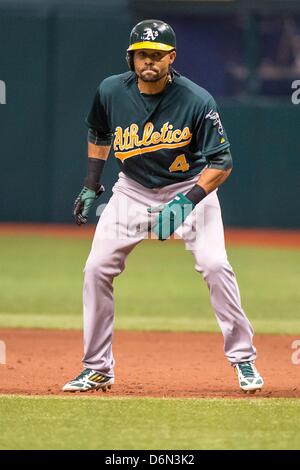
(152, 88)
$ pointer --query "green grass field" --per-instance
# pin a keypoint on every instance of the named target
(41, 283)
(117, 423)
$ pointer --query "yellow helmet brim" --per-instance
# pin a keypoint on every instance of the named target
(150, 45)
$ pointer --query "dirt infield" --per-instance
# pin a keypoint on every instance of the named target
(234, 236)
(149, 364)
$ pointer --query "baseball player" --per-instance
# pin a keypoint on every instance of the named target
(173, 153)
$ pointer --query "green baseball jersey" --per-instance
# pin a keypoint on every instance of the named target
(158, 139)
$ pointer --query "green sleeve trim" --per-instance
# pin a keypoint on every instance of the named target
(221, 160)
(216, 149)
(98, 138)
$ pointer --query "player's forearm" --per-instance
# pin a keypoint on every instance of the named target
(100, 152)
(211, 178)
(218, 169)
(97, 156)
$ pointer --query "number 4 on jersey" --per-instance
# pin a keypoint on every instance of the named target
(179, 164)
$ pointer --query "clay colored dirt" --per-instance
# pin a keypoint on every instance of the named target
(256, 237)
(152, 364)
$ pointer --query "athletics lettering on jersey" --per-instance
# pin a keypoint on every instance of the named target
(127, 142)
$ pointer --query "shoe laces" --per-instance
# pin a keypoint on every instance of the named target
(83, 376)
(247, 369)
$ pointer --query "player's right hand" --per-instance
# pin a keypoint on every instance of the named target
(170, 216)
(84, 202)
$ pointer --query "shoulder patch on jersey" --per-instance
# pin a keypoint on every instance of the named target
(216, 120)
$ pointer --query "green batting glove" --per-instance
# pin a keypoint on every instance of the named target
(171, 215)
(84, 202)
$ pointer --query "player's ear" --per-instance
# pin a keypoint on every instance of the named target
(172, 56)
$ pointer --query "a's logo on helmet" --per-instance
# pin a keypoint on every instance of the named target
(149, 34)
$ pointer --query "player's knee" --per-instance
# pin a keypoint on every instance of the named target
(210, 265)
(101, 269)
(94, 269)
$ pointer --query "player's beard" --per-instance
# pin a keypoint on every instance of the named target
(145, 76)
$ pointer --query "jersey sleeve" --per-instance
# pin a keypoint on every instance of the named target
(210, 134)
(97, 120)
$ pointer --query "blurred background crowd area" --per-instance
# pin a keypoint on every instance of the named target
(236, 48)
(54, 53)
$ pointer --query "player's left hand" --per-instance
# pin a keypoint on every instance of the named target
(171, 215)
(84, 202)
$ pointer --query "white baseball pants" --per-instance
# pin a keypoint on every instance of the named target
(122, 225)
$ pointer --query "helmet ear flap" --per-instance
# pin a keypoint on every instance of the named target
(129, 59)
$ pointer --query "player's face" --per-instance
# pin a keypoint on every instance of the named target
(151, 65)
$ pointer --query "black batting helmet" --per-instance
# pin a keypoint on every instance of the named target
(150, 34)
